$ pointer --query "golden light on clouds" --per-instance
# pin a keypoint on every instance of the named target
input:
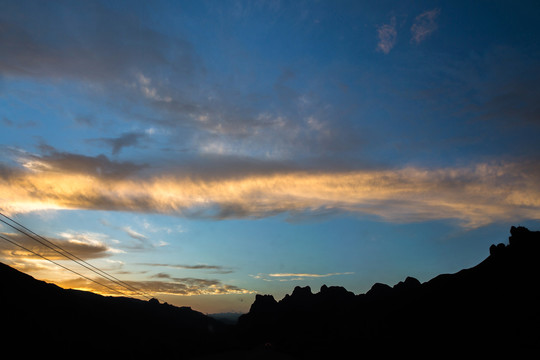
(475, 195)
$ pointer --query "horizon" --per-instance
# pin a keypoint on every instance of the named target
(205, 152)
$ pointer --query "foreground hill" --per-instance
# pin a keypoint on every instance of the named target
(490, 309)
(39, 318)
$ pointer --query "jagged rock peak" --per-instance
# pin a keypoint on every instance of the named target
(494, 250)
(409, 283)
(263, 303)
(153, 301)
(521, 239)
(379, 289)
(302, 291)
(521, 236)
(333, 290)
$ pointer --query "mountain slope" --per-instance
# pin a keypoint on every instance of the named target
(488, 309)
(44, 318)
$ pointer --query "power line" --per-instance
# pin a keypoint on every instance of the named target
(55, 250)
(57, 264)
(71, 257)
(78, 260)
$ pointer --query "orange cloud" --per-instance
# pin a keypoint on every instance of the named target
(178, 287)
(476, 195)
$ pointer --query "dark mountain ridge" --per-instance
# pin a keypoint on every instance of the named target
(42, 318)
(492, 308)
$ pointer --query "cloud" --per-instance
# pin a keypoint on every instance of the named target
(307, 275)
(117, 61)
(149, 91)
(61, 162)
(387, 36)
(84, 245)
(493, 89)
(107, 55)
(475, 195)
(83, 40)
(295, 276)
(424, 24)
(134, 235)
(20, 125)
(142, 242)
(214, 269)
(501, 87)
(165, 285)
(125, 140)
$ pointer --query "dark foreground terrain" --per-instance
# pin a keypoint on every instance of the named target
(487, 310)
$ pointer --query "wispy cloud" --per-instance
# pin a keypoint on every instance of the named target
(160, 81)
(214, 269)
(165, 284)
(125, 140)
(53, 161)
(296, 276)
(134, 234)
(476, 195)
(83, 245)
(308, 275)
(387, 35)
(142, 242)
(424, 24)
(60, 39)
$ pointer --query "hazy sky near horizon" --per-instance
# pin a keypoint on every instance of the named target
(206, 151)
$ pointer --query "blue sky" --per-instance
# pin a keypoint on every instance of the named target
(206, 151)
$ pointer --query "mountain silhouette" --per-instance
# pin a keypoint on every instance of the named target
(491, 309)
(42, 318)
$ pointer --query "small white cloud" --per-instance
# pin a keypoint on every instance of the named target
(294, 276)
(148, 91)
(113, 264)
(202, 118)
(424, 25)
(314, 123)
(143, 80)
(387, 36)
(134, 234)
(297, 275)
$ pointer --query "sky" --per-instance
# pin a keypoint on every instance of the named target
(204, 152)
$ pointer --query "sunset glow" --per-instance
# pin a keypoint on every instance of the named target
(208, 151)
(477, 196)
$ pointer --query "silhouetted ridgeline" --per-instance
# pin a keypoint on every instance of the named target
(490, 309)
(38, 318)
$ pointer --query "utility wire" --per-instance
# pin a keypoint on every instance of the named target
(71, 256)
(57, 251)
(57, 264)
(78, 260)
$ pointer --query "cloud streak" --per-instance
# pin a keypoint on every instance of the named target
(215, 269)
(164, 285)
(84, 40)
(296, 276)
(424, 24)
(125, 140)
(476, 195)
(387, 35)
(61, 162)
(303, 275)
(83, 245)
